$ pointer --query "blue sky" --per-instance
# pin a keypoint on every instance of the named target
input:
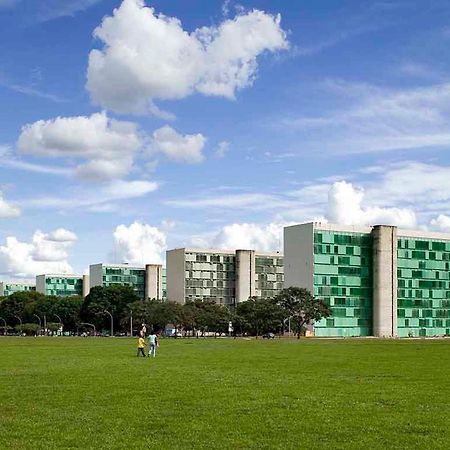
(214, 124)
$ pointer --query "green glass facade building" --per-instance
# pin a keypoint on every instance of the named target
(423, 286)
(7, 289)
(377, 281)
(147, 282)
(60, 285)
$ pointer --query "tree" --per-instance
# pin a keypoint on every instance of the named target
(302, 307)
(115, 299)
(259, 315)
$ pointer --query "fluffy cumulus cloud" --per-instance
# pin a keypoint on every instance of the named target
(265, 238)
(8, 210)
(139, 243)
(106, 147)
(46, 253)
(345, 206)
(441, 223)
(148, 56)
(178, 147)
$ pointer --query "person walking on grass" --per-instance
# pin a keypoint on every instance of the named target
(153, 343)
(141, 346)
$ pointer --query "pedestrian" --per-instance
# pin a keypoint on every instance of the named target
(141, 347)
(153, 343)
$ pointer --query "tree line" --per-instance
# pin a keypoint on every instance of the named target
(31, 312)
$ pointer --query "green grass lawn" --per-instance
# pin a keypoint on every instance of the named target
(218, 393)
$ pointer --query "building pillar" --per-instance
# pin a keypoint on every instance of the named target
(384, 281)
(86, 286)
(153, 282)
(245, 275)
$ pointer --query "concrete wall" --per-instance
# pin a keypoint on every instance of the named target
(299, 256)
(95, 275)
(175, 273)
(2, 289)
(245, 275)
(384, 281)
(153, 281)
(40, 284)
(86, 285)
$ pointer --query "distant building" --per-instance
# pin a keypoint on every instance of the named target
(378, 281)
(10, 288)
(61, 285)
(148, 282)
(225, 277)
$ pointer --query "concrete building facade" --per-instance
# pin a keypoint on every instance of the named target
(223, 276)
(378, 281)
(60, 285)
(147, 282)
(7, 289)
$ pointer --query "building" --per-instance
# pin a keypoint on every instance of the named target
(379, 281)
(10, 288)
(148, 282)
(226, 277)
(62, 285)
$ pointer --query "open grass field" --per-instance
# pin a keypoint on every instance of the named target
(218, 393)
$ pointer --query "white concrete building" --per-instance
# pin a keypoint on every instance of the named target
(224, 276)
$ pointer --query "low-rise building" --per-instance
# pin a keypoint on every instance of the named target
(147, 282)
(223, 276)
(378, 281)
(61, 285)
(10, 288)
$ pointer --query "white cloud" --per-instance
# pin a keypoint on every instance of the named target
(441, 223)
(148, 56)
(368, 118)
(108, 145)
(53, 9)
(264, 238)
(46, 253)
(100, 200)
(178, 147)
(222, 149)
(345, 206)
(8, 210)
(120, 189)
(139, 243)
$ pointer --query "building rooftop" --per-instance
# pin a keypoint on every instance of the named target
(223, 251)
(401, 232)
(60, 275)
(120, 265)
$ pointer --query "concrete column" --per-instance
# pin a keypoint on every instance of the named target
(245, 275)
(153, 282)
(86, 286)
(384, 281)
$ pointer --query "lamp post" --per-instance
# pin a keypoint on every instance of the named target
(4, 321)
(289, 325)
(19, 319)
(131, 323)
(60, 321)
(40, 323)
(90, 325)
(112, 321)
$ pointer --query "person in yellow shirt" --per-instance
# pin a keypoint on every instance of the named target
(141, 346)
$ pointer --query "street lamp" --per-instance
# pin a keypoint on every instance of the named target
(112, 321)
(131, 323)
(40, 324)
(19, 319)
(90, 325)
(60, 321)
(4, 321)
